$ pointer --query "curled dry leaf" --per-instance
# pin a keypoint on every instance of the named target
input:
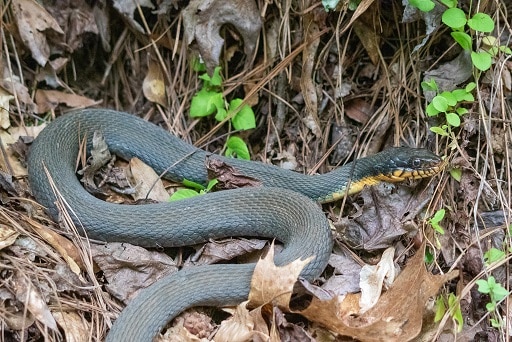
(32, 21)
(202, 21)
(148, 185)
(190, 326)
(153, 85)
(228, 177)
(127, 9)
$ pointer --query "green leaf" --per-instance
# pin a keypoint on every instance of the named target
(462, 95)
(430, 85)
(463, 39)
(439, 131)
(450, 99)
(438, 216)
(198, 65)
(330, 5)
(461, 111)
(190, 184)
(499, 292)
(506, 49)
(183, 194)
(431, 110)
(211, 184)
(481, 60)
(453, 119)
(205, 103)
(236, 147)
(221, 114)
(456, 173)
(216, 79)
(493, 255)
(449, 3)
(496, 323)
(455, 311)
(440, 309)
(440, 103)
(245, 118)
(454, 18)
(481, 22)
(470, 86)
(483, 286)
(423, 5)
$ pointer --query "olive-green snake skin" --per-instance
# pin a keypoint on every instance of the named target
(279, 209)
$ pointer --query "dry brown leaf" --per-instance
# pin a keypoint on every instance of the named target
(222, 250)
(359, 110)
(5, 97)
(32, 21)
(227, 176)
(63, 246)
(129, 268)
(202, 21)
(153, 85)
(7, 236)
(368, 33)
(274, 284)
(29, 295)
(76, 328)
(397, 316)
(190, 326)
(127, 9)
(148, 185)
(49, 99)
(244, 325)
(10, 137)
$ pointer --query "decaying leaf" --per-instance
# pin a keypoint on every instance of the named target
(222, 250)
(190, 326)
(100, 156)
(228, 177)
(129, 268)
(148, 185)
(10, 137)
(202, 21)
(244, 325)
(127, 9)
(153, 85)
(30, 296)
(274, 284)
(33, 20)
(49, 99)
(5, 97)
(76, 328)
(7, 236)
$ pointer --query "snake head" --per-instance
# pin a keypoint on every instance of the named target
(401, 163)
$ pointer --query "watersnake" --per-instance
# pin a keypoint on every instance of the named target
(285, 208)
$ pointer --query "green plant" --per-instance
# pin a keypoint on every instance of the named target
(196, 189)
(448, 103)
(210, 100)
(493, 255)
(435, 219)
(496, 293)
(453, 305)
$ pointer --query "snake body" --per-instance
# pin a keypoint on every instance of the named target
(283, 208)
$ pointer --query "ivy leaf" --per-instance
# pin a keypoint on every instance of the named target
(450, 99)
(454, 18)
(429, 85)
(205, 103)
(493, 255)
(439, 131)
(431, 110)
(236, 147)
(245, 118)
(456, 173)
(481, 22)
(463, 39)
(481, 60)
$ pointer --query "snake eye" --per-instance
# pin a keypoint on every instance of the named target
(416, 162)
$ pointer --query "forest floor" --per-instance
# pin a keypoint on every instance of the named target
(326, 88)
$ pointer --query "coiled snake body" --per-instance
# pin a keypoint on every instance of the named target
(280, 209)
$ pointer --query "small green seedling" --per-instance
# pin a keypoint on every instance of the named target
(434, 221)
(210, 100)
(194, 189)
(453, 309)
(493, 255)
(496, 293)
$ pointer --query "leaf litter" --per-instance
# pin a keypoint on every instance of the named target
(45, 73)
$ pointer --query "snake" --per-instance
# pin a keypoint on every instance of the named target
(285, 207)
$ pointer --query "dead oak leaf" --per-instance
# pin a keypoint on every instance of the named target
(398, 314)
(274, 284)
(32, 21)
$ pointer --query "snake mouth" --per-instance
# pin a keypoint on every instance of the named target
(429, 169)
